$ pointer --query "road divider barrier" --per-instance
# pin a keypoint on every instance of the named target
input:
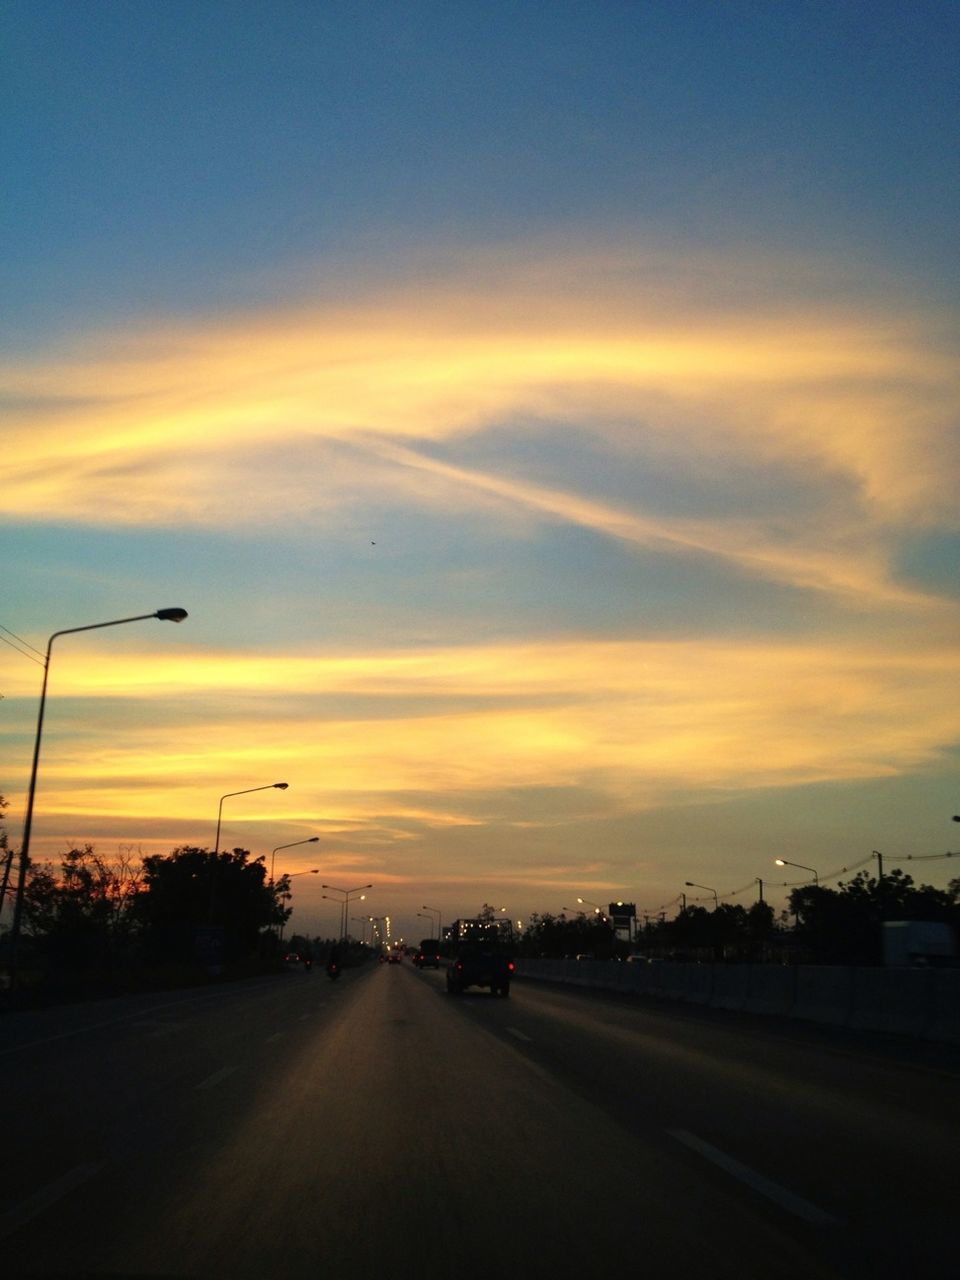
(917, 1002)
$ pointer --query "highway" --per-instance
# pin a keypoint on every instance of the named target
(292, 1126)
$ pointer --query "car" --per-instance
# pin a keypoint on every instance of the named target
(394, 957)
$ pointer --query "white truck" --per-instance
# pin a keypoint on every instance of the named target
(918, 942)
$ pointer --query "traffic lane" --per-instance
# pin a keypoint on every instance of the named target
(400, 1134)
(862, 1137)
(81, 1096)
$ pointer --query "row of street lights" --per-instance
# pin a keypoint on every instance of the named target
(164, 615)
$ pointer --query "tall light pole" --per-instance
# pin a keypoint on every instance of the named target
(716, 898)
(269, 786)
(439, 921)
(164, 615)
(783, 862)
(273, 856)
(314, 871)
(345, 902)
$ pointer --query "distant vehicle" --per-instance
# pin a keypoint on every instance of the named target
(333, 969)
(394, 957)
(918, 943)
(480, 964)
(428, 955)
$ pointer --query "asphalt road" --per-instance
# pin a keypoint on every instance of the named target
(293, 1127)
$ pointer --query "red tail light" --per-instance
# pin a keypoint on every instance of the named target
(510, 966)
(459, 966)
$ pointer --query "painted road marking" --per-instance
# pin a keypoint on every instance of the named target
(520, 1035)
(772, 1190)
(45, 1198)
(217, 1078)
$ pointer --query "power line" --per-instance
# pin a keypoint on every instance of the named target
(26, 644)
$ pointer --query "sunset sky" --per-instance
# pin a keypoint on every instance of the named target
(546, 412)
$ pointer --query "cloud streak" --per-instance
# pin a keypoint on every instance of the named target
(153, 425)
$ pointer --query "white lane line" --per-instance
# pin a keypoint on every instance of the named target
(520, 1035)
(772, 1190)
(277, 1035)
(45, 1198)
(217, 1078)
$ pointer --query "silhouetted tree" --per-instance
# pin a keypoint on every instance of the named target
(193, 891)
(83, 913)
(844, 925)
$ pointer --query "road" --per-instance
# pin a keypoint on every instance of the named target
(293, 1126)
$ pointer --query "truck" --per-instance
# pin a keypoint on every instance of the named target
(479, 964)
(919, 943)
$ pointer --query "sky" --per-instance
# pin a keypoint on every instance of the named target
(546, 412)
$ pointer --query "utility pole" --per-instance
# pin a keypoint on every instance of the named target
(879, 857)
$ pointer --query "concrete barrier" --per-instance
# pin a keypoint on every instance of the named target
(692, 983)
(922, 1003)
(729, 986)
(824, 994)
(897, 1000)
(944, 1021)
(771, 989)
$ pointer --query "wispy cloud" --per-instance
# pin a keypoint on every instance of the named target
(198, 423)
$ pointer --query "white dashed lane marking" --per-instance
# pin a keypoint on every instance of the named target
(45, 1198)
(217, 1078)
(785, 1198)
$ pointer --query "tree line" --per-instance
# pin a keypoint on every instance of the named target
(821, 926)
(94, 921)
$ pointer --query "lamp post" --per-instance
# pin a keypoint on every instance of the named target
(164, 615)
(269, 786)
(716, 897)
(345, 902)
(597, 910)
(314, 871)
(784, 862)
(273, 856)
(362, 922)
(439, 921)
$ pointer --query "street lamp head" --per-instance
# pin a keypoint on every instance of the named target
(780, 862)
(312, 839)
(171, 615)
(280, 786)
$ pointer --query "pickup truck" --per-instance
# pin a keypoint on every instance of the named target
(480, 964)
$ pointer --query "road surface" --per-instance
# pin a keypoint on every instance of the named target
(296, 1127)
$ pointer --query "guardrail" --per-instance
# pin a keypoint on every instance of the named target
(923, 1003)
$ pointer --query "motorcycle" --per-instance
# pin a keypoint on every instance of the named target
(333, 969)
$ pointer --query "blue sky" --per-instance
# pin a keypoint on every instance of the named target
(546, 412)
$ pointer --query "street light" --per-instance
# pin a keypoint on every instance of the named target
(439, 921)
(597, 911)
(280, 786)
(164, 615)
(314, 871)
(273, 856)
(783, 862)
(362, 922)
(345, 901)
(716, 899)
